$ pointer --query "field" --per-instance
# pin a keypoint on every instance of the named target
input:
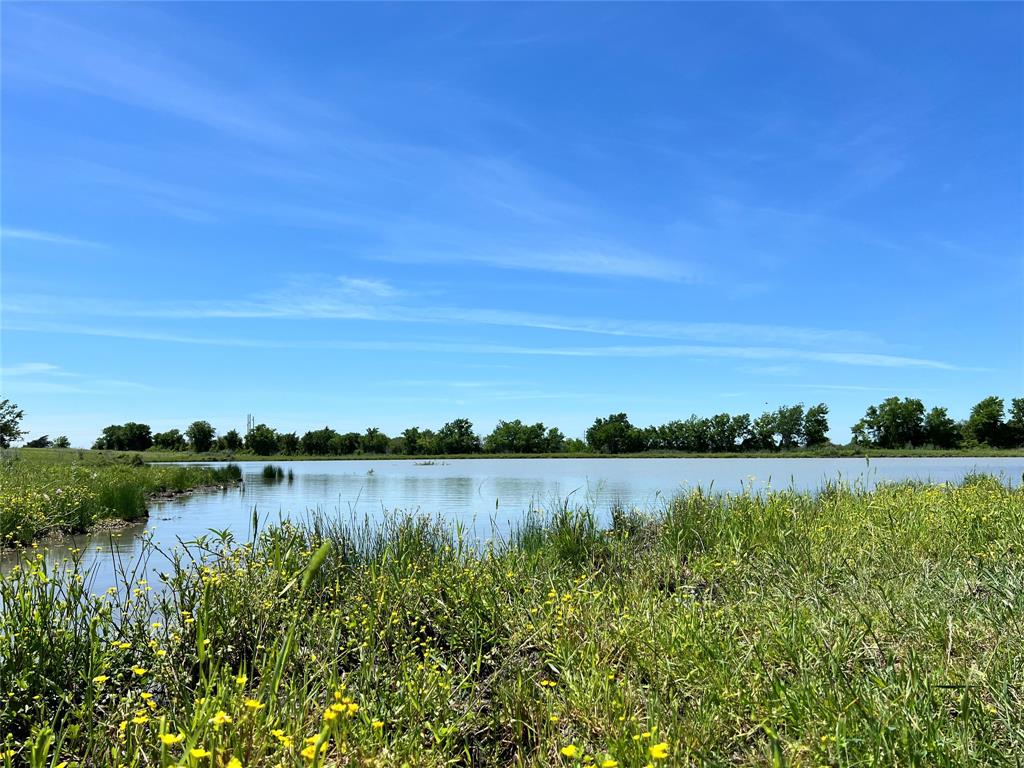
(48, 492)
(847, 628)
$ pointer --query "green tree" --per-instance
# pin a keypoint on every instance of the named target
(62, 442)
(317, 442)
(1016, 422)
(940, 430)
(171, 440)
(554, 440)
(614, 435)
(985, 424)
(516, 437)
(200, 436)
(10, 423)
(816, 425)
(457, 436)
(261, 440)
(412, 446)
(346, 444)
(43, 441)
(763, 431)
(894, 423)
(288, 443)
(374, 441)
(231, 440)
(789, 426)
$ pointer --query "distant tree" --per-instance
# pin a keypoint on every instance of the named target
(200, 436)
(10, 423)
(554, 440)
(261, 440)
(815, 426)
(109, 439)
(288, 443)
(940, 430)
(894, 423)
(317, 442)
(457, 436)
(171, 440)
(614, 435)
(740, 430)
(516, 437)
(343, 445)
(427, 443)
(763, 431)
(231, 440)
(374, 441)
(40, 442)
(789, 426)
(411, 441)
(137, 437)
(130, 436)
(62, 442)
(575, 445)
(692, 435)
(1016, 422)
(985, 424)
(723, 433)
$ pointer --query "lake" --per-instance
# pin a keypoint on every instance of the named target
(489, 496)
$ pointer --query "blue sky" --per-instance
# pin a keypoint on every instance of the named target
(400, 214)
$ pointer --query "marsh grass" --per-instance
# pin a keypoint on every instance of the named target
(37, 499)
(847, 628)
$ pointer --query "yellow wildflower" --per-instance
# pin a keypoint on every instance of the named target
(234, 762)
(658, 751)
(140, 671)
(570, 750)
(199, 753)
(220, 717)
(171, 738)
(100, 679)
(609, 763)
(253, 704)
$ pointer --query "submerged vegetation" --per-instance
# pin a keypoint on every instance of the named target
(846, 628)
(39, 498)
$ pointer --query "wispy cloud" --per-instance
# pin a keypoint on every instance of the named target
(859, 359)
(62, 53)
(40, 236)
(323, 297)
(39, 378)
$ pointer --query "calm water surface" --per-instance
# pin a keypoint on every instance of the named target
(489, 496)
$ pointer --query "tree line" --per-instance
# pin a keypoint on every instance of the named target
(893, 423)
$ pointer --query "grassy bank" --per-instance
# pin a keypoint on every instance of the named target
(848, 628)
(55, 455)
(40, 496)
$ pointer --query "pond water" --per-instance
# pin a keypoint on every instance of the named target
(489, 496)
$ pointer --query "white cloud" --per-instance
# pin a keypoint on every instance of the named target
(648, 351)
(47, 237)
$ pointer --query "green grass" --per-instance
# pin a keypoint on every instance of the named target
(847, 628)
(42, 497)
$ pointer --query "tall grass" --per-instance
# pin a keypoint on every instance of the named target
(850, 628)
(37, 499)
